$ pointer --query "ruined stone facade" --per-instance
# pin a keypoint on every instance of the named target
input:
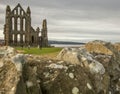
(18, 30)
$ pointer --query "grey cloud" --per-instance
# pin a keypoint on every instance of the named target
(72, 19)
(71, 4)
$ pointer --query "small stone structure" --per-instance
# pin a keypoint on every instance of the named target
(18, 30)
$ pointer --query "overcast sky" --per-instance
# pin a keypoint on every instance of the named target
(72, 20)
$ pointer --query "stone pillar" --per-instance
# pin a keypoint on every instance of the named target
(37, 35)
(15, 23)
(26, 39)
(7, 37)
(10, 38)
(7, 26)
(44, 34)
(28, 30)
(21, 24)
(10, 24)
(7, 29)
(15, 38)
(21, 38)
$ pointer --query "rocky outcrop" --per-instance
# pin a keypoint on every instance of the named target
(90, 69)
(58, 77)
(81, 57)
(117, 46)
(99, 47)
(102, 59)
(10, 72)
(12, 80)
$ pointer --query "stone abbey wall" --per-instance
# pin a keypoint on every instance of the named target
(18, 30)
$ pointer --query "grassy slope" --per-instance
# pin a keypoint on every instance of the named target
(38, 51)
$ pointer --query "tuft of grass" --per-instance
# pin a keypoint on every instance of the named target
(37, 51)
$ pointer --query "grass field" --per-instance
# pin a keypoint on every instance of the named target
(37, 51)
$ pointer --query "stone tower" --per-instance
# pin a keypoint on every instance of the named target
(7, 26)
(18, 30)
(44, 33)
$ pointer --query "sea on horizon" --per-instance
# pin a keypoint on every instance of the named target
(67, 45)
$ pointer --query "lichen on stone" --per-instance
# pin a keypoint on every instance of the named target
(71, 75)
(29, 84)
(89, 86)
(75, 90)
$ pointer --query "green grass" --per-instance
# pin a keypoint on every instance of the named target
(38, 51)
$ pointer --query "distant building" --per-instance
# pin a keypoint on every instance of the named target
(18, 30)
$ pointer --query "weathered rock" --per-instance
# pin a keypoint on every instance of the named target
(31, 80)
(12, 74)
(64, 79)
(67, 55)
(7, 51)
(108, 55)
(78, 71)
(9, 77)
(81, 57)
(117, 46)
(98, 47)
(102, 59)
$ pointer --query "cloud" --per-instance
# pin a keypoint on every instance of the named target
(72, 20)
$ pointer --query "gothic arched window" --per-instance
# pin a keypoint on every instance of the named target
(18, 38)
(18, 24)
(13, 38)
(18, 10)
(21, 12)
(13, 23)
(24, 24)
(23, 38)
(14, 11)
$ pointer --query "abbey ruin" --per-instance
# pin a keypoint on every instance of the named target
(18, 30)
